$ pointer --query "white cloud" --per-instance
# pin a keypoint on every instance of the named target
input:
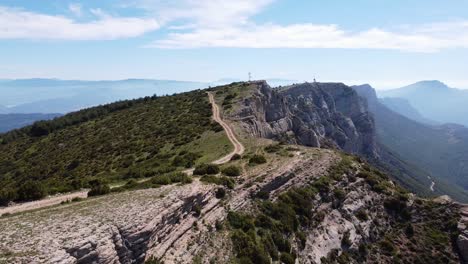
(225, 24)
(75, 9)
(19, 24)
(205, 13)
(425, 38)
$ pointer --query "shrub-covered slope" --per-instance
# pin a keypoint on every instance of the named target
(137, 138)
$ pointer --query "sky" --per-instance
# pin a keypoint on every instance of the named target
(385, 43)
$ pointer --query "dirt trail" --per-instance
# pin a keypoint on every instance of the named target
(54, 200)
(238, 147)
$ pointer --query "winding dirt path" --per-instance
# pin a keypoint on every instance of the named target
(50, 201)
(238, 147)
(55, 200)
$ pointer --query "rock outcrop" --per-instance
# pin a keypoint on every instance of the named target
(311, 114)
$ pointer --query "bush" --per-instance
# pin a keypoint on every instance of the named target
(232, 171)
(361, 214)
(153, 260)
(100, 189)
(220, 193)
(287, 258)
(31, 191)
(6, 196)
(387, 246)
(262, 195)
(257, 159)
(206, 169)
(345, 241)
(171, 178)
(273, 148)
(225, 181)
(240, 221)
(236, 157)
(248, 249)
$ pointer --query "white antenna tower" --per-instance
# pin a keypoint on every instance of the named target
(250, 76)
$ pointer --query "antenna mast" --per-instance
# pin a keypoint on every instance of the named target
(250, 76)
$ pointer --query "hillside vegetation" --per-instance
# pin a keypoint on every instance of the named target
(128, 139)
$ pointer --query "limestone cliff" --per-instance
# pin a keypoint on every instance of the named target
(311, 114)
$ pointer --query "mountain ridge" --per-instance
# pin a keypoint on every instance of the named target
(434, 100)
(288, 202)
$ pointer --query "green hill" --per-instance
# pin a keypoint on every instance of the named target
(135, 138)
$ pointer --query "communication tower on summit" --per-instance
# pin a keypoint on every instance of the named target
(250, 76)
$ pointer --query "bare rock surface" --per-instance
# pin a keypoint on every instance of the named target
(134, 226)
(311, 114)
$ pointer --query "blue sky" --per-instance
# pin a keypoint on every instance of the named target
(384, 43)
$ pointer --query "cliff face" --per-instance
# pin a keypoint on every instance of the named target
(311, 114)
(434, 149)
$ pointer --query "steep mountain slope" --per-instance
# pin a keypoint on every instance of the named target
(435, 100)
(440, 150)
(404, 108)
(13, 121)
(63, 96)
(298, 203)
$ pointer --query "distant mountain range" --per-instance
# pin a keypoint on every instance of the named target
(404, 107)
(12, 121)
(63, 96)
(434, 100)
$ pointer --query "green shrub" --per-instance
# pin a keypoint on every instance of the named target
(220, 193)
(345, 241)
(273, 148)
(99, 189)
(161, 180)
(6, 196)
(232, 171)
(31, 191)
(287, 258)
(240, 221)
(170, 178)
(262, 195)
(197, 210)
(387, 246)
(153, 260)
(206, 169)
(322, 184)
(257, 159)
(236, 157)
(218, 225)
(339, 194)
(397, 206)
(361, 214)
(225, 181)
